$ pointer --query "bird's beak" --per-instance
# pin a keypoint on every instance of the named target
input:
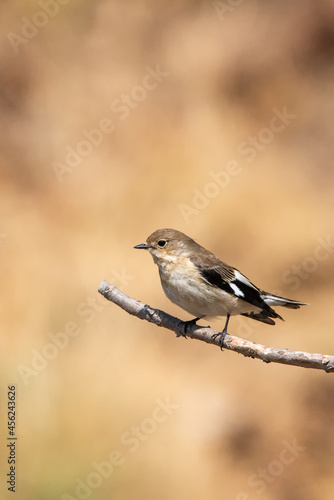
(142, 245)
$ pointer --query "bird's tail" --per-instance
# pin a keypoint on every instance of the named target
(275, 300)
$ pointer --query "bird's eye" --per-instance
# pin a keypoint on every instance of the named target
(162, 243)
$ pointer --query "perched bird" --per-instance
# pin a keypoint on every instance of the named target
(203, 285)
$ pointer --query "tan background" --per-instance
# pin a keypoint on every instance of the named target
(229, 68)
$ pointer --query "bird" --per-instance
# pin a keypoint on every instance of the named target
(205, 286)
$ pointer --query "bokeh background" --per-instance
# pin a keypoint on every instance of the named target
(71, 212)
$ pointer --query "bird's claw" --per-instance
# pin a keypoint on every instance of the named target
(184, 325)
(221, 337)
(182, 330)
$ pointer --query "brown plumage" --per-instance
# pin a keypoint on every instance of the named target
(203, 285)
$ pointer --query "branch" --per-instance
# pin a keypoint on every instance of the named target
(244, 347)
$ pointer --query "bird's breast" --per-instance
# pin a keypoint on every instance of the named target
(184, 286)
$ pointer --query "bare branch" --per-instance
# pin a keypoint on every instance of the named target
(244, 347)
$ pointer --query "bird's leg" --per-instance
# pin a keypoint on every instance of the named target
(222, 334)
(185, 326)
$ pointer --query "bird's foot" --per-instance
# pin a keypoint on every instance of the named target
(221, 337)
(184, 327)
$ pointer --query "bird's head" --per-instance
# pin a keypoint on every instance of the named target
(165, 245)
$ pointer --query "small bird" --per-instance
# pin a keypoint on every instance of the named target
(203, 285)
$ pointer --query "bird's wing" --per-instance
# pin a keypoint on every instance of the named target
(232, 281)
(261, 316)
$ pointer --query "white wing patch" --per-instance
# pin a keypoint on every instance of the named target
(243, 279)
(237, 290)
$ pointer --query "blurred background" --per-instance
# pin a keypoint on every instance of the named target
(119, 118)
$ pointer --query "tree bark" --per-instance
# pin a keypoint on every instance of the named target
(232, 343)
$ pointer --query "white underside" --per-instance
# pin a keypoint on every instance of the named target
(187, 289)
